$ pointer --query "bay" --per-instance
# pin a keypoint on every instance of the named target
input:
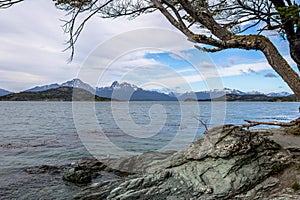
(57, 133)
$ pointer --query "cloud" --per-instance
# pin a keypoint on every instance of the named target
(240, 69)
(251, 71)
(125, 54)
(206, 65)
(32, 42)
(19, 80)
(270, 75)
(181, 55)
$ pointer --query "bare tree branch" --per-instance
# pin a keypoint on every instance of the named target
(208, 50)
(283, 124)
(203, 123)
(8, 3)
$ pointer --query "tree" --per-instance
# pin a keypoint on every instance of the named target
(224, 23)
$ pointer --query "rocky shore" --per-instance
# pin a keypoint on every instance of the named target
(230, 162)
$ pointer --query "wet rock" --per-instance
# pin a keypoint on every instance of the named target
(79, 176)
(228, 163)
(83, 171)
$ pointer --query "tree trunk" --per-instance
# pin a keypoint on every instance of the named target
(295, 52)
(280, 65)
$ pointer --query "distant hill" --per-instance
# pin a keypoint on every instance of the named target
(4, 92)
(202, 95)
(278, 94)
(252, 97)
(247, 97)
(129, 92)
(74, 83)
(283, 98)
(43, 88)
(211, 94)
(57, 94)
(232, 95)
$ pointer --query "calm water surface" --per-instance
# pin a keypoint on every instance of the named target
(39, 133)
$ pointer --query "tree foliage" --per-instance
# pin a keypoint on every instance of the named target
(213, 25)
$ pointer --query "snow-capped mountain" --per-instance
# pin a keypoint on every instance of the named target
(278, 94)
(43, 88)
(233, 91)
(167, 92)
(202, 95)
(77, 83)
(271, 94)
(211, 94)
(4, 92)
(124, 85)
(126, 91)
(120, 91)
(254, 93)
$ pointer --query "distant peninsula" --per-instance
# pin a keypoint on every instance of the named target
(252, 97)
(57, 94)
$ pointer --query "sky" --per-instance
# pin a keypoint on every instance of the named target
(146, 51)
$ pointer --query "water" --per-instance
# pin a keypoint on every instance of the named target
(57, 133)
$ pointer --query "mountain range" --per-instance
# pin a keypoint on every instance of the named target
(63, 93)
(4, 92)
(75, 83)
(128, 92)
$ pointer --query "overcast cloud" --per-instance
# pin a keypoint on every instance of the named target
(32, 41)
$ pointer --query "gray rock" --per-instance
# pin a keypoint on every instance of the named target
(86, 169)
(77, 176)
(228, 163)
(146, 163)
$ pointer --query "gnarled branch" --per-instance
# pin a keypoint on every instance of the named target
(283, 124)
